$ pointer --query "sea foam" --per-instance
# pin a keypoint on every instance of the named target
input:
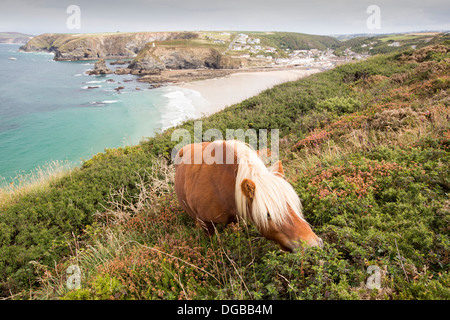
(92, 87)
(180, 106)
(95, 81)
(100, 103)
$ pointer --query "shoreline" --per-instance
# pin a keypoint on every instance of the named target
(221, 92)
(194, 99)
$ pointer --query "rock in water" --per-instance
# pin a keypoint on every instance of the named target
(120, 61)
(121, 71)
(100, 68)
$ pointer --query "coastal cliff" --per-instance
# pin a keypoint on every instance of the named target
(69, 47)
(174, 64)
(172, 57)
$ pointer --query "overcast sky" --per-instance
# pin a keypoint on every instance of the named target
(314, 17)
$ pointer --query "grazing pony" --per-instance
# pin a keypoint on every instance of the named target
(216, 182)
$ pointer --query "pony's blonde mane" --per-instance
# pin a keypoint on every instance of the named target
(273, 194)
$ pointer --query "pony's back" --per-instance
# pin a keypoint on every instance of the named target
(205, 188)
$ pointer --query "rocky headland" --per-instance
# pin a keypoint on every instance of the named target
(73, 47)
(173, 57)
(173, 64)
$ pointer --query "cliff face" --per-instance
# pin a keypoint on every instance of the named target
(168, 57)
(69, 47)
(99, 46)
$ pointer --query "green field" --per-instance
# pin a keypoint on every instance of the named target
(407, 37)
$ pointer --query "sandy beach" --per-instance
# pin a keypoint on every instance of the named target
(219, 93)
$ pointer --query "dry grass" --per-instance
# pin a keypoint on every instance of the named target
(392, 127)
(155, 184)
(25, 183)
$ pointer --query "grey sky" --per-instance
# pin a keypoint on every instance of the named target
(315, 17)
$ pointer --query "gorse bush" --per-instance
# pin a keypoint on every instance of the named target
(366, 147)
(338, 105)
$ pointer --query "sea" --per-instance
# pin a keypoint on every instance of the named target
(52, 111)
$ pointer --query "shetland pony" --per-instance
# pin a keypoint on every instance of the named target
(216, 182)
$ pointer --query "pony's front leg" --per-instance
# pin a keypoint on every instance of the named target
(207, 226)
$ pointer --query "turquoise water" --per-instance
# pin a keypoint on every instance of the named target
(47, 113)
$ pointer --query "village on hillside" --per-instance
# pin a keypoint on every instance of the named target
(246, 46)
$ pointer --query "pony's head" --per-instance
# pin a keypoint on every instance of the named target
(267, 199)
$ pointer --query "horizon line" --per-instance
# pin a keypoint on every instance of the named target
(237, 31)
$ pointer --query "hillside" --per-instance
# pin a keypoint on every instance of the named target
(389, 43)
(365, 145)
(14, 37)
(299, 41)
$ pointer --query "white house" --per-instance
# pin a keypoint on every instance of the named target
(254, 41)
(242, 38)
(394, 44)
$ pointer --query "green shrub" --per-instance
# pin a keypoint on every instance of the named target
(103, 287)
(339, 105)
